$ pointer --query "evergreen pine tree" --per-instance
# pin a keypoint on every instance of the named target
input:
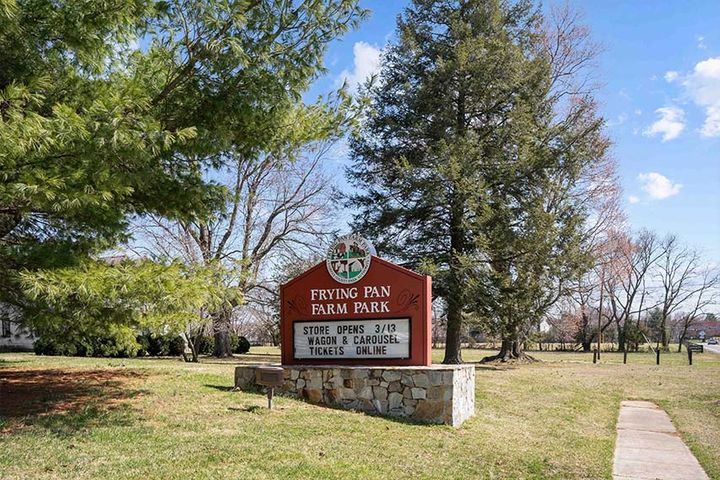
(469, 163)
(114, 109)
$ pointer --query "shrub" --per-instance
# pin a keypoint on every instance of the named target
(157, 345)
(160, 345)
(242, 346)
(239, 344)
(204, 344)
(45, 346)
(234, 341)
(144, 344)
(176, 346)
(117, 341)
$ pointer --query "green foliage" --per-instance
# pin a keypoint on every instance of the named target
(115, 341)
(653, 324)
(204, 344)
(239, 344)
(468, 162)
(110, 109)
(97, 296)
(144, 343)
(157, 345)
(176, 346)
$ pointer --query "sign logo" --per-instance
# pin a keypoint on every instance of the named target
(348, 259)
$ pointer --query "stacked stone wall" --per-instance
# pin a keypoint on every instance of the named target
(435, 394)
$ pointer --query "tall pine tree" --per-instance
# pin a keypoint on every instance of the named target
(470, 160)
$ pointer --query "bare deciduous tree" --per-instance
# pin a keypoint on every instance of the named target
(276, 212)
(684, 285)
(626, 285)
(572, 55)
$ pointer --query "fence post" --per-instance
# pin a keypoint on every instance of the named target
(625, 356)
(689, 356)
(595, 355)
(657, 354)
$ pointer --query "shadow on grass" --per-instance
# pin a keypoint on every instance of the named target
(242, 359)
(160, 359)
(492, 366)
(65, 401)
(330, 406)
(248, 409)
(73, 422)
(222, 388)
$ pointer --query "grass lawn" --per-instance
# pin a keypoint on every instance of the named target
(84, 418)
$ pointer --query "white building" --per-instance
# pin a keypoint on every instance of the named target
(13, 337)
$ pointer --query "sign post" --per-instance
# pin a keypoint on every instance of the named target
(269, 377)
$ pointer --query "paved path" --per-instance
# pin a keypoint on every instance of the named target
(648, 446)
(712, 348)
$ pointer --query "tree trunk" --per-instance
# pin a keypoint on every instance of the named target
(453, 354)
(621, 338)
(510, 349)
(664, 337)
(586, 346)
(221, 329)
(193, 350)
(683, 334)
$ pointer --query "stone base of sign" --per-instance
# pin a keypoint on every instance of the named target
(435, 394)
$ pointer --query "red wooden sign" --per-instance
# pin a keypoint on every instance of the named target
(381, 318)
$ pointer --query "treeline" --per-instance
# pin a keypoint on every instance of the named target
(642, 289)
(566, 334)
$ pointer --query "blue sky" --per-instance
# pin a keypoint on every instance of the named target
(661, 98)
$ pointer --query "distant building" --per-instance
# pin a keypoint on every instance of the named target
(711, 328)
(13, 337)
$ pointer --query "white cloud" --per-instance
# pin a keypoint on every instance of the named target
(711, 127)
(701, 42)
(658, 186)
(638, 112)
(671, 76)
(704, 82)
(633, 199)
(618, 121)
(366, 63)
(703, 86)
(670, 124)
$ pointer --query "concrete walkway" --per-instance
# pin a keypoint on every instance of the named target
(648, 446)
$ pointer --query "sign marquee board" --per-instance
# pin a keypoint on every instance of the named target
(356, 309)
(380, 338)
